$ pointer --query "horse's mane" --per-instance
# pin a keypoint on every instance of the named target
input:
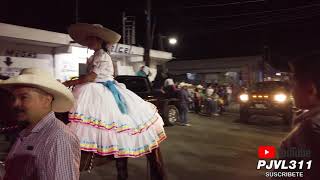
(6, 111)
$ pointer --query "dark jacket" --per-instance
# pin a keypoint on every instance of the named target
(171, 91)
(306, 136)
(183, 96)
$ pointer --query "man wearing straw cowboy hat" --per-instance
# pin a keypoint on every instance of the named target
(46, 149)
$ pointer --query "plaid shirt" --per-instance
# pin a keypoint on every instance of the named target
(50, 152)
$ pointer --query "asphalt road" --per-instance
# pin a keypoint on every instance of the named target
(212, 148)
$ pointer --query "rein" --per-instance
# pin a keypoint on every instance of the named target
(6, 129)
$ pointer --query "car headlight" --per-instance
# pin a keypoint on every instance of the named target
(280, 98)
(244, 97)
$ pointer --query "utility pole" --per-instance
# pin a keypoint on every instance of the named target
(77, 11)
(160, 42)
(266, 58)
(147, 47)
(124, 28)
(128, 29)
(153, 31)
(266, 52)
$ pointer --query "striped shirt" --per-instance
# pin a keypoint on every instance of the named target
(50, 152)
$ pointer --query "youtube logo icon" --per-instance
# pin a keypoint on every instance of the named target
(267, 152)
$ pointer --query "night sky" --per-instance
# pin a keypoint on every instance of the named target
(205, 29)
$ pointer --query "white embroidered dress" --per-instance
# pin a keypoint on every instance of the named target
(101, 126)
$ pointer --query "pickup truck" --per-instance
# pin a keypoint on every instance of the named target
(167, 106)
(271, 98)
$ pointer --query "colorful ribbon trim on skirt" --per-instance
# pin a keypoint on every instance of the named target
(117, 96)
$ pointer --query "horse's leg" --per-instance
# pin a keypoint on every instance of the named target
(156, 165)
(86, 162)
(122, 168)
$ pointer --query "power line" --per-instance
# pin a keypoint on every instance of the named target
(265, 17)
(257, 13)
(225, 4)
(253, 26)
(266, 23)
(270, 18)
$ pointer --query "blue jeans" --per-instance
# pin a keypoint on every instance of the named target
(183, 113)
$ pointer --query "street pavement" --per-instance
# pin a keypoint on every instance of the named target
(213, 148)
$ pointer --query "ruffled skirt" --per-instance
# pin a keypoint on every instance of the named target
(104, 130)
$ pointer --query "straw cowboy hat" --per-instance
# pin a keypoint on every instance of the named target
(199, 87)
(80, 31)
(182, 84)
(37, 78)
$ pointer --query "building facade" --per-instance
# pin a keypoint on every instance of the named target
(23, 47)
(231, 70)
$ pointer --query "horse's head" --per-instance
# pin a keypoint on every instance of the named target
(7, 115)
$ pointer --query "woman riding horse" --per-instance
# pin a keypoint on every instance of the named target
(109, 119)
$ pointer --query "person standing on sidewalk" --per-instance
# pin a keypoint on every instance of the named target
(183, 96)
(46, 149)
(229, 94)
(211, 101)
(197, 99)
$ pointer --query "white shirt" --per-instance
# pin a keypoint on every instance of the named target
(101, 64)
(209, 92)
(229, 90)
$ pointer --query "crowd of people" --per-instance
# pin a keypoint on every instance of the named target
(210, 100)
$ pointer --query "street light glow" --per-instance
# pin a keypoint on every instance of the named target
(173, 41)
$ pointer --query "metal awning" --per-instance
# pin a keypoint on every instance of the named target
(19, 34)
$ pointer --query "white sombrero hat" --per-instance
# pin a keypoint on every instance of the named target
(169, 82)
(80, 31)
(63, 98)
